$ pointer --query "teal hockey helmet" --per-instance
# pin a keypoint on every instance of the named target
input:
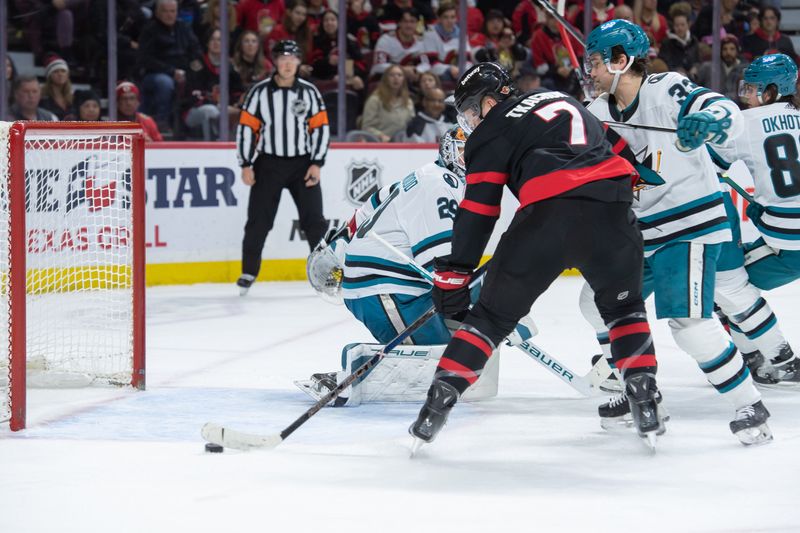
(617, 32)
(772, 69)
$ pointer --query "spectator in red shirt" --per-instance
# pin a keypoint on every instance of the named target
(294, 27)
(602, 10)
(551, 58)
(260, 15)
(651, 21)
(523, 20)
(314, 12)
(767, 39)
(128, 103)
(363, 25)
(495, 22)
(325, 54)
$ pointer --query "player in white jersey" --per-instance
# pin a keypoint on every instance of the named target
(769, 148)
(681, 214)
(416, 216)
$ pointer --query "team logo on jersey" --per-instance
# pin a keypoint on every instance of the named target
(299, 107)
(363, 179)
(649, 170)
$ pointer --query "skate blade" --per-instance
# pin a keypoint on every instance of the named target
(755, 436)
(620, 423)
(650, 439)
(243, 291)
(415, 446)
(309, 387)
(610, 386)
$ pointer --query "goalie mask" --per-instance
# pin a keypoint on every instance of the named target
(325, 272)
(451, 151)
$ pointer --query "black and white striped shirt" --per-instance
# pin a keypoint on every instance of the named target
(284, 122)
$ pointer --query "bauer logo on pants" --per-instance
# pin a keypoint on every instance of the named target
(363, 179)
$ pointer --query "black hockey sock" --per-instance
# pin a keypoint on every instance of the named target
(464, 358)
(632, 345)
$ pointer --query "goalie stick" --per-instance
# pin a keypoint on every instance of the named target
(240, 440)
(583, 384)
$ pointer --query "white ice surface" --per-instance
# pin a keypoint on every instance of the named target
(534, 459)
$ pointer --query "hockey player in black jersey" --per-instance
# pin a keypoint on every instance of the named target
(575, 196)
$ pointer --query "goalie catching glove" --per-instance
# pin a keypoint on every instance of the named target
(451, 293)
(710, 125)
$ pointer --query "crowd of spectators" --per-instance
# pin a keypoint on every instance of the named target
(400, 59)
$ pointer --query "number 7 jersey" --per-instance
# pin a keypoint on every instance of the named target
(769, 148)
(685, 204)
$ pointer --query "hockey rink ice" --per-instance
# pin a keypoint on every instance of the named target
(532, 460)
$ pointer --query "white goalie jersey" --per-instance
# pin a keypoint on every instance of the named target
(769, 148)
(414, 215)
(686, 203)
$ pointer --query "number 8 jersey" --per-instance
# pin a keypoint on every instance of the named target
(685, 204)
(769, 148)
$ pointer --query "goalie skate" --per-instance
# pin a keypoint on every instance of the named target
(750, 425)
(319, 385)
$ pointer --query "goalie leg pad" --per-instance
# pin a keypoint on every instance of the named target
(706, 341)
(405, 374)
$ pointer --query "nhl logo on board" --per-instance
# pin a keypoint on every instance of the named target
(363, 179)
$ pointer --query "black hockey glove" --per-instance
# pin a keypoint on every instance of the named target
(451, 294)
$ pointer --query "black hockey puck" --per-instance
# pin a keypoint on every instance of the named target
(214, 448)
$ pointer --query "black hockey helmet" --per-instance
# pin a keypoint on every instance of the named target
(483, 79)
(286, 47)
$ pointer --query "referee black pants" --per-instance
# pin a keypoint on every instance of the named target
(272, 175)
(601, 239)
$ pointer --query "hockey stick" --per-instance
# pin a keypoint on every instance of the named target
(739, 189)
(640, 126)
(239, 440)
(582, 384)
(545, 4)
(579, 72)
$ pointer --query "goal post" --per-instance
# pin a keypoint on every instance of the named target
(72, 248)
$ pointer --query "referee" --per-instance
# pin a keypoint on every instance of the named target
(281, 142)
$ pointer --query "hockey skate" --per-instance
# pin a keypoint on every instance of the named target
(643, 396)
(782, 371)
(639, 406)
(432, 417)
(750, 424)
(611, 383)
(244, 283)
(321, 384)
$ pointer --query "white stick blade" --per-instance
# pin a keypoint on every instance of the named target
(238, 440)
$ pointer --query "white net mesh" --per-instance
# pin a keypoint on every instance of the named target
(79, 256)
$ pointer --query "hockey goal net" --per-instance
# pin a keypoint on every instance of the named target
(71, 258)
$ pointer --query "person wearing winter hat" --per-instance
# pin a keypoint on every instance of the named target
(57, 92)
(127, 104)
(87, 106)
